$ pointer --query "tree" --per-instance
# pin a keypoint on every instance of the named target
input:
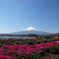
(33, 35)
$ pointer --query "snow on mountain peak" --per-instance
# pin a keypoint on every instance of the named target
(30, 28)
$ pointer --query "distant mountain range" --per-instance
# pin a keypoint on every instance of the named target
(30, 30)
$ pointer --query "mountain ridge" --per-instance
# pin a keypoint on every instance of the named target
(30, 30)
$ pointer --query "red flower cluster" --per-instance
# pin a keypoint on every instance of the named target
(23, 49)
(5, 57)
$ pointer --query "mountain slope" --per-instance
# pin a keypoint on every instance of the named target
(31, 30)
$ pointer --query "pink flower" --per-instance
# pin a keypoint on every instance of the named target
(5, 57)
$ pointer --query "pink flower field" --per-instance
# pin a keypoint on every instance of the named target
(20, 50)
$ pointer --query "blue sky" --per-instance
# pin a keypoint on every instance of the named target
(16, 15)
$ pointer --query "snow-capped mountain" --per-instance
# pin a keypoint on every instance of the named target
(31, 30)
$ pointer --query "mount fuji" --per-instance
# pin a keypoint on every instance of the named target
(30, 30)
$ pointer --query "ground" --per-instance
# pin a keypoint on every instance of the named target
(52, 56)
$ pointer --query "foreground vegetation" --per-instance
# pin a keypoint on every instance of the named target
(29, 48)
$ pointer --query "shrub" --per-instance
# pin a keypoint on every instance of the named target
(30, 43)
(17, 42)
(38, 42)
(54, 49)
(35, 56)
(46, 53)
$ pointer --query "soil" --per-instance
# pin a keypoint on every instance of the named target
(52, 56)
